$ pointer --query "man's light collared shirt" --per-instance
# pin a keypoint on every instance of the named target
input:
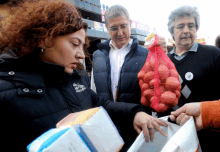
(192, 49)
(117, 57)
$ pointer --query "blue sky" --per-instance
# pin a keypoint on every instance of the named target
(155, 13)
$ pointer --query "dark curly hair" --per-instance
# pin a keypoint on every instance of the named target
(34, 21)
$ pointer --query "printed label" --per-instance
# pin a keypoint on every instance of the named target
(78, 87)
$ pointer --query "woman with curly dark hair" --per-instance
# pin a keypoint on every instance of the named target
(41, 46)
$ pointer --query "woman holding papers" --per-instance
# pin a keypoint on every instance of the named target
(42, 45)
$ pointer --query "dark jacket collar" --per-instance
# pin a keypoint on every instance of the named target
(30, 64)
(35, 69)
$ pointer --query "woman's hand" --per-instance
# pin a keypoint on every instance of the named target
(148, 124)
(162, 43)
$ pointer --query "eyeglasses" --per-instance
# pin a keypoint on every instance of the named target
(182, 26)
(122, 27)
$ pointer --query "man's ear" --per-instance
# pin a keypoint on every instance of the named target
(130, 23)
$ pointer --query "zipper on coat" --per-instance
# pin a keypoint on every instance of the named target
(119, 81)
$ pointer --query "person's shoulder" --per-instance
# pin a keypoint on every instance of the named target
(169, 54)
(143, 49)
(209, 48)
(98, 53)
(104, 45)
(6, 74)
(209, 51)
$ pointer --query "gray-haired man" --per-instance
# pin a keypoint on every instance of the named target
(198, 66)
(115, 68)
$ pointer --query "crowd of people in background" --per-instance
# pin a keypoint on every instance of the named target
(42, 48)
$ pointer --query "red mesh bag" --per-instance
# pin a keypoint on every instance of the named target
(159, 80)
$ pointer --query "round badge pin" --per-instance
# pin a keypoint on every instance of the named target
(189, 76)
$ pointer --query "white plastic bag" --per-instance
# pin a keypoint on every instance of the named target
(179, 139)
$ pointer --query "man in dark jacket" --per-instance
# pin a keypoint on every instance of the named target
(198, 66)
(116, 65)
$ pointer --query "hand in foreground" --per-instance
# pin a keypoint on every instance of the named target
(148, 123)
(162, 43)
(183, 113)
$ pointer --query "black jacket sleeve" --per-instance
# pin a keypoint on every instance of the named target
(121, 113)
